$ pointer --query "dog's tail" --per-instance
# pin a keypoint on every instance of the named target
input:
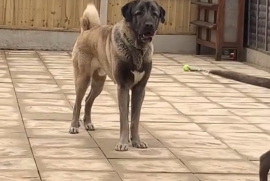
(248, 79)
(90, 18)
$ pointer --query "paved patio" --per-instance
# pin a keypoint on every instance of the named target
(198, 127)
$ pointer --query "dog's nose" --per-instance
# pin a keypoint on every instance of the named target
(149, 25)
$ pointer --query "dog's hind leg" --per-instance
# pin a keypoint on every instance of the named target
(97, 85)
(82, 80)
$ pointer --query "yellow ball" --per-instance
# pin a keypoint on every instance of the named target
(186, 67)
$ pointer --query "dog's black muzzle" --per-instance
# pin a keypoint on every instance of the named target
(147, 33)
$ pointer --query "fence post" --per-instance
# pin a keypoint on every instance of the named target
(103, 12)
(257, 24)
(248, 23)
(266, 27)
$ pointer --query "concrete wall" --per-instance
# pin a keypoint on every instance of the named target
(37, 40)
(258, 58)
(49, 40)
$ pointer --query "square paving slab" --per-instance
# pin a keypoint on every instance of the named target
(198, 127)
(79, 175)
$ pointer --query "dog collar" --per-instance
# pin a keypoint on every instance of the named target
(132, 43)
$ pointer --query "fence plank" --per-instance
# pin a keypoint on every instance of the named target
(178, 18)
(2, 12)
(9, 12)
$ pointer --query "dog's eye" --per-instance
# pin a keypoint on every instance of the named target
(155, 14)
(138, 13)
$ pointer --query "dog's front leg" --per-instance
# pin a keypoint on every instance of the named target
(123, 103)
(137, 98)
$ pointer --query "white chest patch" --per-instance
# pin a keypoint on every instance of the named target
(137, 76)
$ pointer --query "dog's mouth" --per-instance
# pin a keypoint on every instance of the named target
(146, 37)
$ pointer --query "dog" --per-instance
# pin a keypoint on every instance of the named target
(264, 166)
(124, 53)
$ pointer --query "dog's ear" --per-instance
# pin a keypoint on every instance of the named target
(162, 14)
(126, 10)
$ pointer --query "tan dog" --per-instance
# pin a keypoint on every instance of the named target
(264, 166)
(124, 53)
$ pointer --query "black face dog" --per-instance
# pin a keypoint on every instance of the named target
(264, 166)
(143, 17)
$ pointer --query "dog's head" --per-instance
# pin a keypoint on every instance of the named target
(143, 17)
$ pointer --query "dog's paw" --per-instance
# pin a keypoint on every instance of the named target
(121, 147)
(139, 144)
(74, 130)
(89, 127)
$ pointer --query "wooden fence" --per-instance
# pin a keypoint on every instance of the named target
(63, 15)
(259, 25)
(179, 13)
(42, 14)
